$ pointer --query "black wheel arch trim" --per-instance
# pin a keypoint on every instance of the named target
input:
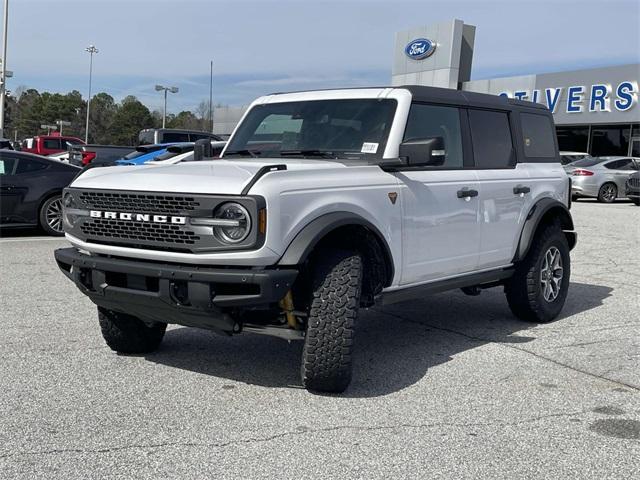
(306, 240)
(535, 216)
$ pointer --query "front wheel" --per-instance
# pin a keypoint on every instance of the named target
(636, 201)
(538, 289)
(607, 193)
(128, 334)
(51, 216)
(328, 345)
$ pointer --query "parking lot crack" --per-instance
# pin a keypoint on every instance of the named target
(300, 432)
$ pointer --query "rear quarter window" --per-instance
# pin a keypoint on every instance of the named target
(537, 136)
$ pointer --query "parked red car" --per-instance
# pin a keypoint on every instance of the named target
(49, 144)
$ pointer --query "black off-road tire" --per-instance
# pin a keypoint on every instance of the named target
(524, 290)
(601, 193)
(128, 334)
(328, 345)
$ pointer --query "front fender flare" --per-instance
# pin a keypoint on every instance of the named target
(306, 240)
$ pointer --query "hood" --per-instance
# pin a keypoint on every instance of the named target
(216, 176)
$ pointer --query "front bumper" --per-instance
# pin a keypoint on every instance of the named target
(631, 192)
(169, 293)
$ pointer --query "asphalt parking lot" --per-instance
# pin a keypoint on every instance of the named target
(452, 386)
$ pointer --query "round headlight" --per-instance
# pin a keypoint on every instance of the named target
(68, 200)
(239, 223)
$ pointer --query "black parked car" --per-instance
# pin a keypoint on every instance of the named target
(31, 189)
(632, 188)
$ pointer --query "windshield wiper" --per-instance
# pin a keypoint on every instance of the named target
(308, 153)
(244, 153)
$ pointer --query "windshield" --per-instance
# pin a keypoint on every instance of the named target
(146, 137)
(341, 129)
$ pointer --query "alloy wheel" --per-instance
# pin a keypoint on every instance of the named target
(54, 215)
(609, 192)
(551, 274)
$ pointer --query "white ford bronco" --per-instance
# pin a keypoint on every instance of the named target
(323, 203)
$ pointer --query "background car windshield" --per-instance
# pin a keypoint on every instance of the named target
(346, 128)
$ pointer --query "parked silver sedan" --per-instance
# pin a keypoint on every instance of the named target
(601, 177)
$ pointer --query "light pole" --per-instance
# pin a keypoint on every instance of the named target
(160, 88)
(211, 97)
(3, 72)
(91, 49)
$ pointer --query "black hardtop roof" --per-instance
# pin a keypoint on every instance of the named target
(459, 97)
(449, 96)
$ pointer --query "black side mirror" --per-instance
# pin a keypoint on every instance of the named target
(202, 149)
(423, 151)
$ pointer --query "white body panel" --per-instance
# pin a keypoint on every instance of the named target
(502, 213)
(441, 232)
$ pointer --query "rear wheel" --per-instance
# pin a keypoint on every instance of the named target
(128, 334)
(607, 193)
(51, 216)
(538, 289)
(328, 345)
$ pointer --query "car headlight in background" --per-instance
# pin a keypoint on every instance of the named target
(232, 223)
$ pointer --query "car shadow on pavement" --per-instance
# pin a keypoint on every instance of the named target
(395, 345)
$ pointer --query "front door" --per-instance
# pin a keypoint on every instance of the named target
(441, 232)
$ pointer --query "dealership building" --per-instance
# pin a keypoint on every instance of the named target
(595, 110)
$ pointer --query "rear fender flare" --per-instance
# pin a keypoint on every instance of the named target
(542, 210)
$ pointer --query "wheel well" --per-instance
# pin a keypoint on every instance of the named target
(560, 215)
(44, 199)
(377, 263)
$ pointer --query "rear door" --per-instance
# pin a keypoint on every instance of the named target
(504, 186)
(441, 234)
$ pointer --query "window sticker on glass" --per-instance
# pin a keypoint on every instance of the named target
(1, 167)
(369, 147)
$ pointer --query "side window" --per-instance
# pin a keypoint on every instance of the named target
(26, 165)
(624, 164)
(491, 136)
(537, 134)
(429, 121)
(7, 165)
(51, 144)
(174, 137)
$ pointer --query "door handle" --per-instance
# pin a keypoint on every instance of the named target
(521, 190)
(467, 193)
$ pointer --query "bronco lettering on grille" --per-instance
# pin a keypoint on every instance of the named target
(138, 217)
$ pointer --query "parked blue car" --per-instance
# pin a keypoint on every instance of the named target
(161, 151)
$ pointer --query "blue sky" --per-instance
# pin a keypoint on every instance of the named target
(264, 46)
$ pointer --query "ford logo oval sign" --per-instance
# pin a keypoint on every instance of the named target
(419, 48)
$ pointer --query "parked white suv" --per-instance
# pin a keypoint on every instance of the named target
(325, 202)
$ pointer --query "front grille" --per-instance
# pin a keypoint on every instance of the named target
(634, 182)
(150, 232)
(139, 202)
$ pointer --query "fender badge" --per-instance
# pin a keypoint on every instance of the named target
(393, 196)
